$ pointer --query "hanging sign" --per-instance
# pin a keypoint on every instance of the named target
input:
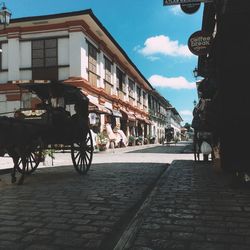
(190, 8)
(199, 43)
(173, 2)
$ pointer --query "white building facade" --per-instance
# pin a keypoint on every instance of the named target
(77, 49)
(174, 121)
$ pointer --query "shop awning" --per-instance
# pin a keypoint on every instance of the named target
(115, 113)
(97, 108)
(128, 115)
(148, 121)
(139, 117)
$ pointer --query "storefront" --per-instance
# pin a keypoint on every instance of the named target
(128, 122)
(97, 115)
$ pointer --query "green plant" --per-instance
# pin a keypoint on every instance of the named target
(48, 152)
(140, 138)
(102, 138)
(131, 139)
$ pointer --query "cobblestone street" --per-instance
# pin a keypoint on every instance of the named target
(126, 204)
(194, 209)
(56, 208)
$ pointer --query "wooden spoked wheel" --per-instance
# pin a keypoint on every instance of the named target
(82, 154)
(29, 163)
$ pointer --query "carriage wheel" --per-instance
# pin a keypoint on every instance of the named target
(29, 163)
(82, 154)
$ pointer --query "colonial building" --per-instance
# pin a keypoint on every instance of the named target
(163, 116)
(174, 121)
(76, 48)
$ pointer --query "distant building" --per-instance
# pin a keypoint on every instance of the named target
(174, 120)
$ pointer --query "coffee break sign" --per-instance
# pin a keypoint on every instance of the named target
(173, 2)
(190, 8)
(199, 43)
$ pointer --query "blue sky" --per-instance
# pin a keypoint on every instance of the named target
(154, 37)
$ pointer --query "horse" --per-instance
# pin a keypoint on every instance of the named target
(19, 139)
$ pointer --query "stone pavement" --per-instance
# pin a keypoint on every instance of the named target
(127, 205)
(194, 209)
(58, 209)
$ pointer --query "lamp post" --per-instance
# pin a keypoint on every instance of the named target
(195, 72)
(5, 15)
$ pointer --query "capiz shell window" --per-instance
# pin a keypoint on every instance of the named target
(44, 59)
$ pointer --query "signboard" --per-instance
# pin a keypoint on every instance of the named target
(174, 2)
(199, 43)
(190, 8)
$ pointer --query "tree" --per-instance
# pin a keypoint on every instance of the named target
(187, 126)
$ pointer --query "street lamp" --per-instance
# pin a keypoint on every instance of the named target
(5, 15)
(195, 72)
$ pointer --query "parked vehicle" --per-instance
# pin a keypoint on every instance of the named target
(46, 124)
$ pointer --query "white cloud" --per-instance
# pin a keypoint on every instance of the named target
(186, 112)
(172, 82)
(153, 58)
(164, 45)
(176, 10)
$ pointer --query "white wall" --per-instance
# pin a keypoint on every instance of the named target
(25, 54)
(9, 107)
(63, 73)
(45, 34)
(63, 51)
(13, 59)
(25, 75)
(3, 77)
(5, 56)
(78, 59)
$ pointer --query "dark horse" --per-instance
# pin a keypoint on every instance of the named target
(18, 138)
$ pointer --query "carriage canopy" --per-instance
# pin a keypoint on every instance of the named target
(46, 91)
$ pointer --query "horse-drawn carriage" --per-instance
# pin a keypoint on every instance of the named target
(169, 136)
(44, 122)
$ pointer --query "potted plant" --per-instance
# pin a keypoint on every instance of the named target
(139, 140)
(131, 140)
(102, 140)
(50, 153)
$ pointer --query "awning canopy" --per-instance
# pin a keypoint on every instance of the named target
(139, 117)
(57, 89)
(148, 121)
(128, 115)
(97, 108)
(115, 113)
